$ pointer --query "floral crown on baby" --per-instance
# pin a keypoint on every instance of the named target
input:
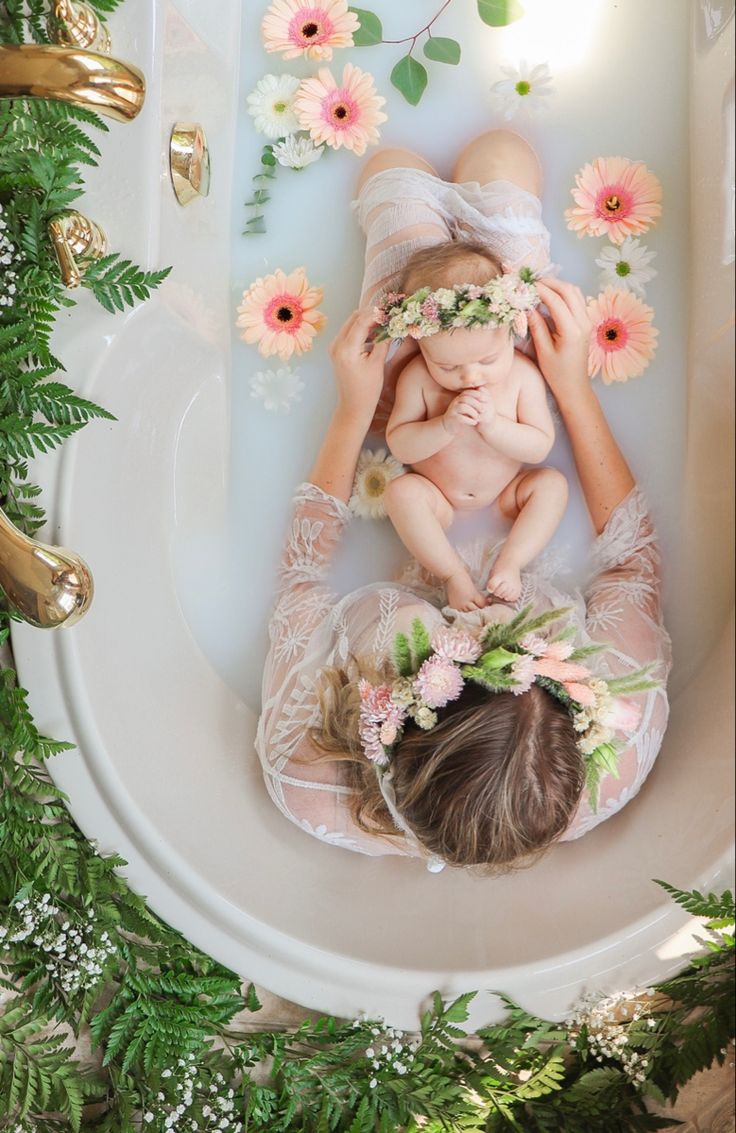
(503, 301)
(510, 657)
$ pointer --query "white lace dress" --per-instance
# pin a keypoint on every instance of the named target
(312, 627)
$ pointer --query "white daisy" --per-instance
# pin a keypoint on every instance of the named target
(297, 153)
(277, 389)
(272, 105)
(626, 266)
(524, 91)
(374, 472)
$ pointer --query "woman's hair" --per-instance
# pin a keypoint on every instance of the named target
(493, 784)
(448, 263)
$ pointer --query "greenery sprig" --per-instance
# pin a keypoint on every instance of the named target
(169, 1026)
(256, 224)
(409, 76)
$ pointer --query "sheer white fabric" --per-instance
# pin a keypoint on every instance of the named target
(401, 210)
(312, 627)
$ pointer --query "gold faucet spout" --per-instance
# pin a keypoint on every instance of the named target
(85, 78)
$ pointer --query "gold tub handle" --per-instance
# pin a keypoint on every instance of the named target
(77, 241)
(45, 586)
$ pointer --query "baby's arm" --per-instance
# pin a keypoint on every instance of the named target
(409, 435)
(530, 437)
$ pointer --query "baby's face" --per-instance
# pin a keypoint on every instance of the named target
(469, 357)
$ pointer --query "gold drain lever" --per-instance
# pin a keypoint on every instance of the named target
(189, 161)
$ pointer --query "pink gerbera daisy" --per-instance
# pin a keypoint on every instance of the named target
(615, 198)
(623, 340)
(345, 115)
(278, 313)
(300, 27)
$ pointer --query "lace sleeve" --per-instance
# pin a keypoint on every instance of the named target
(307, 632)
(623, 602)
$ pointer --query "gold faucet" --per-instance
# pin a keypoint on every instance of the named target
(85, 78)
(46, 586)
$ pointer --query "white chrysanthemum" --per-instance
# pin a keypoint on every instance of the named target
(271, 105)
(374, 472)
(626, 266)
(277, 389)
(524, 92)
(297, 153)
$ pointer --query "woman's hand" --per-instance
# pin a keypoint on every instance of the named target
(358, 372)
(562, 352)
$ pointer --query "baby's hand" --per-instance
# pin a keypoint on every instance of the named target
(483, 400)
(471, 407)
(462, 410)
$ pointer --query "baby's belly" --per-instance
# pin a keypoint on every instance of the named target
(468, 478)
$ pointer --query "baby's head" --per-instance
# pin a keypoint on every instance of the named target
(466, 356)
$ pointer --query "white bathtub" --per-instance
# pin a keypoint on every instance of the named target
(158, 685)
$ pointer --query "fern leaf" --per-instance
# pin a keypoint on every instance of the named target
(711, 905)
(402, 655)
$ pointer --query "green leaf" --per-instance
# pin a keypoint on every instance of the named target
(499, 13)
(402, 656)
(420, 643)
(410, 77)
(370, 31)
(442, 50)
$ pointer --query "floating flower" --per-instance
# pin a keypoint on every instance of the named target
(623, 341)
(438, 682)
(374, 473)
(271, 105)
(345, 115)
(626, 266)
(297, 153)
(525, 90)
(277, 389)
(456, 645)
(278, 314)
(302, 28)
(614, 198)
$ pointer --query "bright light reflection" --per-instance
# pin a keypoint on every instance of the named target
(685, 941)
(559, 33)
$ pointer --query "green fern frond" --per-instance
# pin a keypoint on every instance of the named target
(713, 906)
(402, 656)
(115, 282)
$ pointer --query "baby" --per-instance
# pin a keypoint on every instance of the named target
(469, 411)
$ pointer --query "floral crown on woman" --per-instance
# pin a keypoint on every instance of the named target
(503, 301)
(510, 657)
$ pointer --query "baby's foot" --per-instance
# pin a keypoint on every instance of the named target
(462, 593)
(504, 582)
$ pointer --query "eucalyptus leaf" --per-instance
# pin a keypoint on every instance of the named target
(499, 13)
(442, 50)
(410, 77)
(370, 31)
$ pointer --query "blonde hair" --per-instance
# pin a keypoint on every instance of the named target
(492, 785)
(448, 263)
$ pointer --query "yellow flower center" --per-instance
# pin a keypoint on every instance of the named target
(375, 483)
(613, 203)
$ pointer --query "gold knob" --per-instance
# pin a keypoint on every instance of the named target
(189, 161)
(46, 586)
(77, 241)
(76, 25)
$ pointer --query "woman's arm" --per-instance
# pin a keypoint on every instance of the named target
(359, 378)
(562, 353)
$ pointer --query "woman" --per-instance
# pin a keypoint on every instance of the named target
(499, 776)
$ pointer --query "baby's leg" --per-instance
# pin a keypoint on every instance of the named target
(421, 514)
(536, 501)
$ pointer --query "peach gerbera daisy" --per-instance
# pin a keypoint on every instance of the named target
(278, 313)
(300, 27)
(623, 340)
(345, 115)
(615, 198)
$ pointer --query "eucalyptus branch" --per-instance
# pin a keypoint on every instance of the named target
(413, 38)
